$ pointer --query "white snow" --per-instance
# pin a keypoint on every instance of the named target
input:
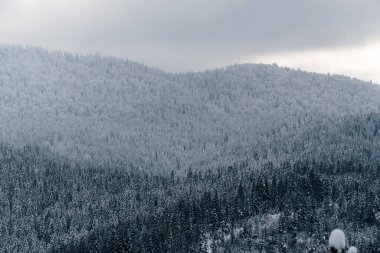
(208, 245)
(237, 231)
(273, 218)
(377, 216)
(337, 239)
(352, 250)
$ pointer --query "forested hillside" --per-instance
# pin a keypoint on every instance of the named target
(100, 154)
(48, 206)
(110, 111)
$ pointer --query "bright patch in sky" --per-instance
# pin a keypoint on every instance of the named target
(360, 61)
(28, 2)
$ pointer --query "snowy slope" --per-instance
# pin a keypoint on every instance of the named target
(106, 110)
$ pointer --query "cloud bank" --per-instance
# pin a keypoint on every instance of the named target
(190, 35)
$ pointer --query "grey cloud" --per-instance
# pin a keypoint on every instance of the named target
(260, 25)
(200, 31)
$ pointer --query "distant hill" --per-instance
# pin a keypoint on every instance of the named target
(112, 111)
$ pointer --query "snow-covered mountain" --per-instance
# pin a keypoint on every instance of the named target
(107, 110)
(278, 157)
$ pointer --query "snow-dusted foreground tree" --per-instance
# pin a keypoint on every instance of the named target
(337, 241)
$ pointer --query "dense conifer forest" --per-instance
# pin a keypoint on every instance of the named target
(47, 205)
(100, 154)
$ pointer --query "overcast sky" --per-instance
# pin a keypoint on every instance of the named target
(336, 36)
